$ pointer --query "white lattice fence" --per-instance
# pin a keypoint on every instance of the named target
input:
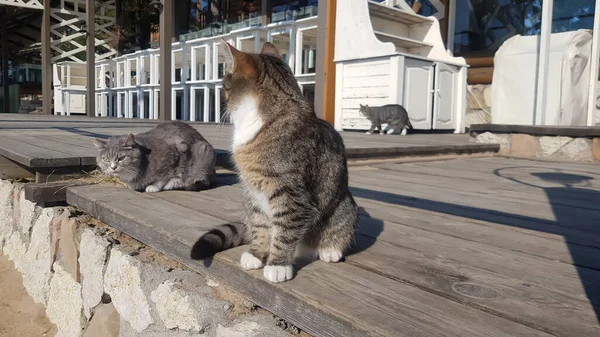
(34, 4)
(69, 33)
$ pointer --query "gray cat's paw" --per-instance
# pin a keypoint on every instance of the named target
(330, 255)
(152, 189)
(368, 132)
(276, 274)
(389, 132)
(249, 262)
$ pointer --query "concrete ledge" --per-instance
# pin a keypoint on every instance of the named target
(98, 282)
(567, 131)
(558, 143)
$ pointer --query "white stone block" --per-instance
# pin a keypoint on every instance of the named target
(27, 214)
(6, 211)
(549, 145)
(175, 307)
(491, 138)
(92, 261)
(579, 149)
(257, 326)
(38, 268)
(65, 305)
(122, 281)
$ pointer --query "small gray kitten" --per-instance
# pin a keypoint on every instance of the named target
(171, 156)
(393, 114)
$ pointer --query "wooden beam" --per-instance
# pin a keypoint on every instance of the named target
(539, 114)
(46, 61)
(166, 39)
(5, 81)
(13, 170)
(90, 50)
(325, 77)
(46, 193)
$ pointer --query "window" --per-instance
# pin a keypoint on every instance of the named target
(481, 26)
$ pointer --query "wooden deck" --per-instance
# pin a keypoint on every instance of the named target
(44, 143)
(465, 247)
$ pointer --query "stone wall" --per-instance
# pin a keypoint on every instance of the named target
(551, 147)
(97, 282)
(479, 104)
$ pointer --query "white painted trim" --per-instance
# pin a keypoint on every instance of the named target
(539, 115)
(594, 67)
(339, 85)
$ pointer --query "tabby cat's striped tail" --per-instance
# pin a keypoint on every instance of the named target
(220, 238)
(408, 123)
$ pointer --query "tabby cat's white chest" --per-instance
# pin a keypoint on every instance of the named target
(246, 121)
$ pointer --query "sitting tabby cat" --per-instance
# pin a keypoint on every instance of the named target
(171, 156)
(393, 114)
(292, 166)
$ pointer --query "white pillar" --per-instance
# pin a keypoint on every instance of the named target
(542, 71)
(594, 64)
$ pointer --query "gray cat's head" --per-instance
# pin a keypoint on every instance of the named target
(119, 156)
(363, 110)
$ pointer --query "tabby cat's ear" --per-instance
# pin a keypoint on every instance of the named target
(231, 54)
(269, 49)
(130, 141)
(99, 143)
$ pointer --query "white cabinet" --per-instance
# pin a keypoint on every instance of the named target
(444, 98)
(386, 55)
(418, 99)
(430, 94)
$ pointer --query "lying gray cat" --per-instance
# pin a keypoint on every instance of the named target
(172, 156)
(393, 114)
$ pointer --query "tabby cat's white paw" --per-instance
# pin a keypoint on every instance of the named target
(403, 132)
(368, 132)
(330, 255)
(249, 262)
(276, 274)
(152, 189)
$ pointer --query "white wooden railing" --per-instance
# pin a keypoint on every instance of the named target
(128, 86)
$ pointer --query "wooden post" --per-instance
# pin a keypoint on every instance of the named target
(5, 81)
(46, 61)
(90, 56)
(166, 37)
(325, 72)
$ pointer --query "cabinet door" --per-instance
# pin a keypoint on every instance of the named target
(418, 86)
(445, 97)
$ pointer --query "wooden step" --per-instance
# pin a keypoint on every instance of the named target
(395, 14)
(400, 41)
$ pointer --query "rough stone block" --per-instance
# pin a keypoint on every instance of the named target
(15, 249)
(68, 245)
(523, 145)
(550, 145)
(580, 149)
(27, 214)
(105, 322)
(6, 211)
(596, 148)
(122, 281)
(65, 305)
(491, 138)
(175, 307)
(92, 261)
(257, 326)
(37, 272)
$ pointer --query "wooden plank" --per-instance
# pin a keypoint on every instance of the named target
(324, 300)
(34, 156)
(556, 214)
(528, 303)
